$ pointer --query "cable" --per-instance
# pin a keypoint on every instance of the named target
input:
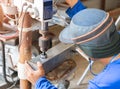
(91, 62)
(13, 85)
(25, 4)
(20, 38)
(11, 18)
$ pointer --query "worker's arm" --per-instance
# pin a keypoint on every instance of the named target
(38, 78)
(43, 83)
(75, 6)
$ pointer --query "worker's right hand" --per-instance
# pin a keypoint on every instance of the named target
(71, 3)
(34, 75)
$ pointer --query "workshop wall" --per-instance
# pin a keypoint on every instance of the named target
(112, 4)
(109, 4)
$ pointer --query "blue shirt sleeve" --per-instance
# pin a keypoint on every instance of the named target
(76, 8)
(43, 83)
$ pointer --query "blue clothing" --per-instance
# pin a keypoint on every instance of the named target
(76, 8)
(109, 78)
(43, 83)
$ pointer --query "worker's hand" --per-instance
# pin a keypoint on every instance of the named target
(71, 3)
(32, 75)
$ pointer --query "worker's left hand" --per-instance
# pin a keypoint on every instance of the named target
(34, 75)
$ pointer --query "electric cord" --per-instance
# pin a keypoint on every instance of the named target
(91, 62)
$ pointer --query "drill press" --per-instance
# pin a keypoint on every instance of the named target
(45, 41)
(42, 11)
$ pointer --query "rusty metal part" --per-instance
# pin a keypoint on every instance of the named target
(25, 54)
(25, 20)
(63, 71)
(25, 45)
(1, 16)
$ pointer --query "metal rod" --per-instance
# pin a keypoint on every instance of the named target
(25, 45)
(4, 61)
(84, 73)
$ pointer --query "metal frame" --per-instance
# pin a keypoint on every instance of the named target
(87, 68)
(4, 61)
(117, 23)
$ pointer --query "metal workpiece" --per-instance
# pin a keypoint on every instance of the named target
(25, 20)
(55, 56)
